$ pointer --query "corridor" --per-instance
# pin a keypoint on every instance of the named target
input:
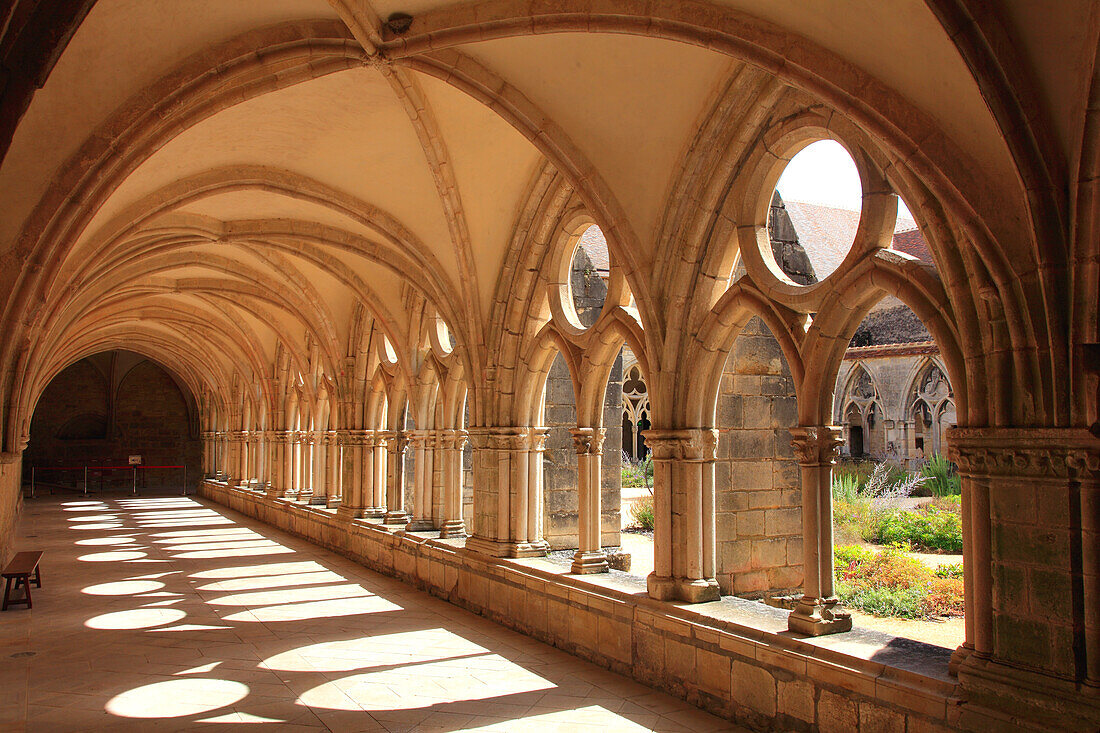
(170, 613)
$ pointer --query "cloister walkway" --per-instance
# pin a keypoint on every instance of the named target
(171, 613)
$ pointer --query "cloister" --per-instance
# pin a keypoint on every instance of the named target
(348, 229)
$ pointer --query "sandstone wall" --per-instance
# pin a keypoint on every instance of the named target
(100, 412)
(757, 482)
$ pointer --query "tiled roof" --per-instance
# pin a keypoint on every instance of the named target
(595, 246)
(826, 234)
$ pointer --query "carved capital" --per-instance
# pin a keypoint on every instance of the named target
(588, 441)
(1033, 453)
(816, 445)
(397, 442)
(356, 437)
(691, 444)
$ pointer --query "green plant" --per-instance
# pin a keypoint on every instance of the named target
(930, 529)
(890, 583)
(950, 570)
(941, 475)
(845, 488)
(642, 512)
(632, 476)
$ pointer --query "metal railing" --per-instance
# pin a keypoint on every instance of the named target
(134, 469)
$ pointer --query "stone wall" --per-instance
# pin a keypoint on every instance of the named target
(11, 502)
(560, 459)
(762, 680)
(100, 411)
(757, 481)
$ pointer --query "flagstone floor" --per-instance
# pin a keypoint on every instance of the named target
(171, 613)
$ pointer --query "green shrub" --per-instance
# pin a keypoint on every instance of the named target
(845, 488)
(632, 476)
(642, 512)
(890, 583)
(929, 529)
(941, 475)
(951, 570)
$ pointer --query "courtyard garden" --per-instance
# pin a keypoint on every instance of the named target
(898, 539)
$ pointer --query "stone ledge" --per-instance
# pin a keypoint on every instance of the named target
(668, 646)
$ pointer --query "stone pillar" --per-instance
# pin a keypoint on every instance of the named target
(420, 442)
(209, 468)
(817, 613)
(290, 464)
(332, 468)
(374, 475)
(236, 456)
(505, 496)
(306, 442)
(221, 444)
(683, 514)
(1033, 571)
(452, 444)
(396, 445)
(275, 440)
(589, 557)
(252, 473)
(353, 498)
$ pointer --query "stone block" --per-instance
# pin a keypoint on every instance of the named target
(836, 713)
(713, 672)
(751, 475)
(755, 581)
(1051, 595)
(877, 719)
(753, 687)
(750, 524)
(1014, 502)
(785, 578)
(796, 699)
(734, 557)
(781, 522)
(1021, 640)
(769, 553)
(730, 411)
(758, 412)
(752, 444)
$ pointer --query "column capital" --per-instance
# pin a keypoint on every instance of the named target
(396, 441)
(688, 444)
(588, 441)
(356, 437)
(500, 438)
(1035, 453)
(816, 445)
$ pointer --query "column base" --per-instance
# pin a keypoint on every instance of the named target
(373, 512)
(1002, 696)
(348, 512)
(452, 528)
(816, 617)
(318, 500)
(395, 518)
(957, 658)
(304, 495)
(507, 548)
(687, 590)
(334, 502)
(589, 563)
(419, 525)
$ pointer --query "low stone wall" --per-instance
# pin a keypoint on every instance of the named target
(760, 680)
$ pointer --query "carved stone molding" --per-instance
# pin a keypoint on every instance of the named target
(692, 444)
(588, 441)
(816, 445)
(356, 437)
(1033, 453)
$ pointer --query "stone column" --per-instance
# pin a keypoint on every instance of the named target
(683, 515)
(209, 469)
(420, 442)
(221, 445)
(332, 468)
(817, 613)
(1033, 572)
(253, 472)
(305, 465)
(237, 457)
(503, 493)
(396, 445)
(374, 475)
(353, 496)
(589, 557)
(453, 443)
(290, 463)
(276, 463)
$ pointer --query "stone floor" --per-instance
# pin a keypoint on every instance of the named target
(171, 613)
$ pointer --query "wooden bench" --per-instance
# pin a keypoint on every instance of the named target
(22, 569)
